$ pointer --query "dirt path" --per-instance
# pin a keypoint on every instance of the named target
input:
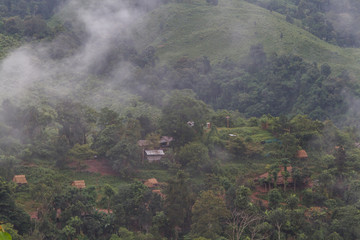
(101, 166)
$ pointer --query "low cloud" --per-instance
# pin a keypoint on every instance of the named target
(59, 66)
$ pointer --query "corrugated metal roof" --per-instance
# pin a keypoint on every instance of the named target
(154, 152)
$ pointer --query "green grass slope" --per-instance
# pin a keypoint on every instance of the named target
(196, 29)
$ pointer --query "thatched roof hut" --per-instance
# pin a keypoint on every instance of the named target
(301, 154)
(78, 184)
(152, 182)
(20, 179)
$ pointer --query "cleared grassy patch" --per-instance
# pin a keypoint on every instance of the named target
(228, 30)
(255, 133)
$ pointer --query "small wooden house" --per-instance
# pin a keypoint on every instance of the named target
(78, 184)
(20, 179)
(154, 155)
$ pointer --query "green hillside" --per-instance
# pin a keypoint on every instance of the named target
(198, 120)
(196, 29)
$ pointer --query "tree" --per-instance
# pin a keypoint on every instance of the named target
(209, 215)
(277, 218)
(35, 26)
(275, 198)
(10, 212)
(76, 121)
(325, 69)
(242, 221)
(326, 181)
(256, 58)
(125, 155)
(184, 117)
(243, 218)
(340, 160)
(132, 203)
(237, 146)
(107, 117)
(160, 225)
(107, 138)
(178, 203)
(289, 145)
(346, 222)
(109, 194)
(72, 227)
(81, 152)
(292, 201)
(194, 156)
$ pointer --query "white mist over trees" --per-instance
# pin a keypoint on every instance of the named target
(59, 67)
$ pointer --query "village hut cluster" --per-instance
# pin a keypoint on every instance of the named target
(153, 153)
(283, 177)
(21, 180)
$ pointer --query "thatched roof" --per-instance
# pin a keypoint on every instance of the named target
(20, 179)
(301, 154)
(152, 182)
(78, 184)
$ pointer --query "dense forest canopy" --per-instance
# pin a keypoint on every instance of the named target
(179, 119)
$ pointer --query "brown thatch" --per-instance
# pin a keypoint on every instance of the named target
(301, 154)
(78, 184)
(152, 182)
(20, 179)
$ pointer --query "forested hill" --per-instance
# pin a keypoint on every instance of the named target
(179, 119)
(232, 54)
